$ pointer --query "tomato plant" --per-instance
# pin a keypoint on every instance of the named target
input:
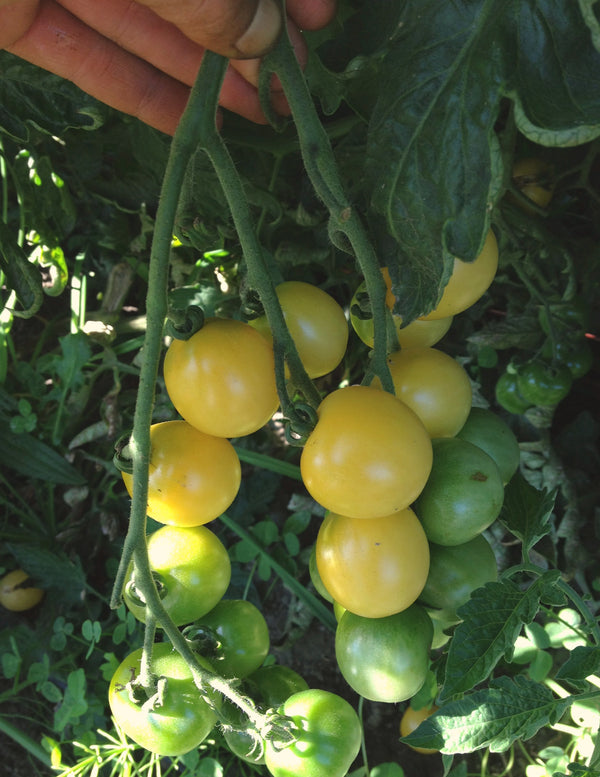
(385, 659)
(193, 477)
(222, 380)
(489, 432)
(576, 354)
(373, 567)
(434, 385)
(16, 592)
(173, 722)
(543, 384)
(534, 178)
(464, 493)
(317, 325)
(328, 736)
(233, 637)
(411, 719)
(369, 454)
(456, 571)
(193, 569)
(468, 282)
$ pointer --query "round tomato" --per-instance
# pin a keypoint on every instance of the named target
(373, 568)
(464, 493)
(194, 570)
(469, 281)
(533, 177)
(192, 477)
(508, 394)
(456, 571)
(385, 659)
(233, 636)
(489, 432)
(174, 725)
(16, 592)
(417, 334)
(543, 384)
(315, 577)
(328, 737)
(369, 455)
(434, 385)
(411, 720)
(576, 355)
(222, 380)
(316, 323)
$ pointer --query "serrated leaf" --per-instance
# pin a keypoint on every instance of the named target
(492, 620)
(29, 456)
(51, 570)
(434, 167)
(509, 710)
(526, 511)
(583, 661)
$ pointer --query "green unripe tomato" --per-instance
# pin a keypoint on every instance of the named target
(456, 571)
(542, 384)
(490, 433)
(385, 659)
(464, 493)
(509, 396)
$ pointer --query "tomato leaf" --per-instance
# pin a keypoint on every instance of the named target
(526, 511)
(509, 710)
(492, 620)
(434, 165)
(582, 662)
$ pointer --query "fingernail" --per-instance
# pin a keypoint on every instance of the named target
(262, 32)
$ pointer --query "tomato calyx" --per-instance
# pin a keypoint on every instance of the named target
(299, 424)
(136, 594)
(183, 324)
(204, 640)
(279, 730)
(122, 459)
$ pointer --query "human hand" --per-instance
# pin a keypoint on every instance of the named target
(142, 57)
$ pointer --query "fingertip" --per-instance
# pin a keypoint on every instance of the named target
(262, 32)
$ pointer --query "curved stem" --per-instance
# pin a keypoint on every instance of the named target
(320, 164)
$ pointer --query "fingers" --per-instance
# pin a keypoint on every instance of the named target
(311, 14)
(16, 17)
(233, 28)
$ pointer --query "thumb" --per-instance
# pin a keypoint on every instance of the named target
(239, 29)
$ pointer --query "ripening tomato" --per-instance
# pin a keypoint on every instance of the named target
(411, 720)
(222, 380)
(385, 659)
(434, 385)
(194, 570)
(369, 455)
(16, 592)
(328, 737)
(175, 724)
(463, 495)
(373, 568)
(192, 477)
(316, 323)
(417, 334)
(534, 178)
(490, 433)
(469, 281)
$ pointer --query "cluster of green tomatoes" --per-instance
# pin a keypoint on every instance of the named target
(408, 481)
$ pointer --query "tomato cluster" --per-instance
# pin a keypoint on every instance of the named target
(409, 481)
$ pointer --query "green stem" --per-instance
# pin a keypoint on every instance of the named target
(33, 748)
(320, 164)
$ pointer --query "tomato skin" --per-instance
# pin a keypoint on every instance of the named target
(316, 323)
(243, 633)
(385, 659)
(369, 455)
(417, 334)
(222, 380)
(192, 477)
(315, 577)
(542, 384)
(469, 281)
(490, 433)
(194, 568)
(456, 571)
(509, 396)
(464, 493)
(577, 356)
(329, 737)
(373, 568)
(16, 595)
(434, 385)
(411, 719)
(533, 177)
(184, 720)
